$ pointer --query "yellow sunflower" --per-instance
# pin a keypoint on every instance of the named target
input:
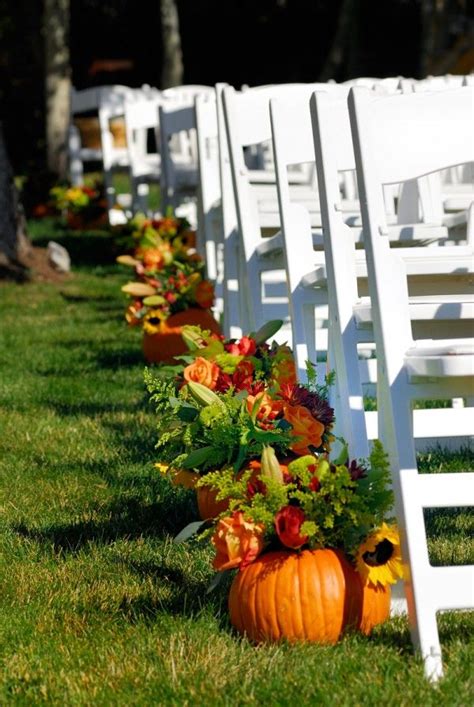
(152, 321)
(162, 468)
(379, 559)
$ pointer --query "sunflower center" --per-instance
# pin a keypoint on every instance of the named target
(382, 553)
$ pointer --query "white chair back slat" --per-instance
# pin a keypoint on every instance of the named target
(424, 112)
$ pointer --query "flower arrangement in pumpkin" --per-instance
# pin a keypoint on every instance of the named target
(169, 272)
(80, 204)
(309, 536)
(202, 430)
(141, 233)
(246, 364)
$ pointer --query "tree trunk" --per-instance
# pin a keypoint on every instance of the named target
(172, 69)
(57, 81)
(14, 243)
(338, 52)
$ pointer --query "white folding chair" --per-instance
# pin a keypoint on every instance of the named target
(315, 278)
(210, 230)
(141, 116)
(85, 101)
(398, 138)
(259, 259)
(178, 150)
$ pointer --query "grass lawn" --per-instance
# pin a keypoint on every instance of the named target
(97, 606)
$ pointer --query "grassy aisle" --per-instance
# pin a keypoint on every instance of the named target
(97, 606)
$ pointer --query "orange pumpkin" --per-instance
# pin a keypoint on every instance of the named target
(314, 595)
(77, 222)
(184, 478)
(163, 346)
(209, 507)
(375, 607)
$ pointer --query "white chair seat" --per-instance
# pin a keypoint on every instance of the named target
(148, 166)
(88, 154)
(426, 307)
(457, 260)
(441, 358)
(272, 245)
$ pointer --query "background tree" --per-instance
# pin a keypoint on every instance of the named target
(172, 68)
(14, 243)
(57, 71)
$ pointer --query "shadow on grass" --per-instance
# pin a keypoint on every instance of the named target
(187, 596)
(92, 409)
(452, 626)
(130, 357)
(85, 247)
(124, 519)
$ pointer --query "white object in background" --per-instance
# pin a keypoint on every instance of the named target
(58, 257)
(142, 116)
(398, 138)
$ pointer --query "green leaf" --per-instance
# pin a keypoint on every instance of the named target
(215, 581)
(190, 530)
(197, 457)
(268, 330)
(187, 413)
(154, 300)
(343, 454)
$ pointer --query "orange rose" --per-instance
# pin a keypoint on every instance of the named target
(153, 259)
(202, 371)
(237, 541)
(305, 428)
(269, 409)
(205, 294)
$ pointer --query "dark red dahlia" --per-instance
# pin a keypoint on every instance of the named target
(317, 405)
(357, 471)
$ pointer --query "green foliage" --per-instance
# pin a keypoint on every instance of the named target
(339, 511)
(98, 605)
(201, 434)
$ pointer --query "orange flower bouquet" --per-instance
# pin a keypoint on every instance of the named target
(83, 206)
(309, 538)
(220, 364)
(202, 429)
(170, 289)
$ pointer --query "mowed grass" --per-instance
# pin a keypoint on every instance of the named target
(97, 605)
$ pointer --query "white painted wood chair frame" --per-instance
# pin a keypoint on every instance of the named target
(178, 152)
(145, 168)
(307, 289)
(247, 122)
(384, 131)
(210, 231)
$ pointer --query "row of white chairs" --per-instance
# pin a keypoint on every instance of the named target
(399, 142)
(138, 111)
(379, 264)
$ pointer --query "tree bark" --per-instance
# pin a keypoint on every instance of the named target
(172, 68)
(338, 52)
(57, 81)
(15, 245)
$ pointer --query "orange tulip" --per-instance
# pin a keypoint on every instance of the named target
(305, 428)
(202, 371)
(237, 541)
